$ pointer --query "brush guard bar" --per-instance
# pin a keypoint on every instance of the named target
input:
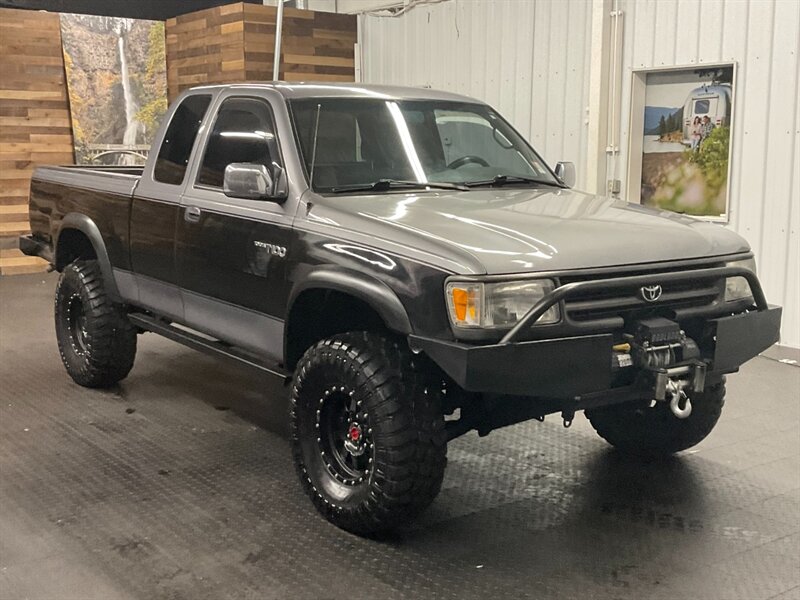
(564, 291)
(569, 367)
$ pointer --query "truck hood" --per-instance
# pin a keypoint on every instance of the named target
(505, 230)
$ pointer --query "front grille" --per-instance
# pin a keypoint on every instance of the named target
(619, 304)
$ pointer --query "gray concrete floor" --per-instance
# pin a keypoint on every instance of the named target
(178, 484)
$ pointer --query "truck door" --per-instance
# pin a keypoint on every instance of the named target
(155, 211)
(232, 252)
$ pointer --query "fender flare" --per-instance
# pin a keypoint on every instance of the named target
(373, 292)
(89, 228)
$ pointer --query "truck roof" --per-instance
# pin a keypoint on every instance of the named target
(293, 90)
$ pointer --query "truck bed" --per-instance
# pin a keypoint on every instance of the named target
(74, 171)
(58, 191)
(120, 169)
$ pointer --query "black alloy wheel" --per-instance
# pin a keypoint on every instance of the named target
(344, 441)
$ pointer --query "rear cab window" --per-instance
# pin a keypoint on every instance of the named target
(173, 156)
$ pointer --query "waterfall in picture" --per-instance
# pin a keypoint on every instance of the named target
(131, 124)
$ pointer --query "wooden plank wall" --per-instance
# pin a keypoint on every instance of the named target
(206, 46)
(34, 121)
(236, 43)
(315, 46)
(218, 45)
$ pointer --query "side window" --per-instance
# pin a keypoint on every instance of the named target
(356, 142)
(243, 133)
(173, 156)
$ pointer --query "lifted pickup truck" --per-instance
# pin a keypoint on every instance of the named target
(411, 267)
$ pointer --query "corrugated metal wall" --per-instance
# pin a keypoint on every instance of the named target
(531, 59)
(763, 38)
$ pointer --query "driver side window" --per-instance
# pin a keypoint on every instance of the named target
(243, 132)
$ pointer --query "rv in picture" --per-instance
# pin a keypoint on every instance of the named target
(712, 101)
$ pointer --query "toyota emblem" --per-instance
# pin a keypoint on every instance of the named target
(650, 293)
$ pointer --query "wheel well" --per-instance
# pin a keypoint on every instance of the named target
(320, 313)
(72, 245)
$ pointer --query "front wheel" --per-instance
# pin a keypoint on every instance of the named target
(368, 435)
(96, 340)
(637, 428)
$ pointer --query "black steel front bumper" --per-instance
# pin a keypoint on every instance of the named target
(573, 366)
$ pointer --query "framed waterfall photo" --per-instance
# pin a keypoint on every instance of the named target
(116, 78)
(680, 139)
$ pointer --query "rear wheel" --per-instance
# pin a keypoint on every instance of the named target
(96, 341)
(368, 435)
(637, 428)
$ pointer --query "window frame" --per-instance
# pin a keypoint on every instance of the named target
(209, 136)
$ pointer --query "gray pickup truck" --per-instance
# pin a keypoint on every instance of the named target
(413, 270)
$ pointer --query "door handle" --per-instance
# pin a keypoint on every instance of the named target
(192, 214)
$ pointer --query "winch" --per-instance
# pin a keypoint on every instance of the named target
(669, 358)
(659, 343)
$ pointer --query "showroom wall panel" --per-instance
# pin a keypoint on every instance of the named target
(157, 10)
(528, 59)
(763, 38)
(315, 46)
(34, 121)
(532, 61)
(236, 43)
(206, 46)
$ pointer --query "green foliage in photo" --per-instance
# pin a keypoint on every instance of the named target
(152, 82)
(712, 159)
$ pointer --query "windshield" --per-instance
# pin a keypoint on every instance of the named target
(361, 141)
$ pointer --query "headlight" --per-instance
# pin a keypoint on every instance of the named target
(737, 288)
(497, 304)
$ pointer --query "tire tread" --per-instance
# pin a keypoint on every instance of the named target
(410, 464)
(113, 338)
(639, 429)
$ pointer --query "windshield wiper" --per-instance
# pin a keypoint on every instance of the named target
(501, 180)
(384, 185)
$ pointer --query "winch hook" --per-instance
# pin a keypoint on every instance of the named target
(680, 404)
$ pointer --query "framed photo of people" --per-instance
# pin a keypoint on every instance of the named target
(680, 139)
